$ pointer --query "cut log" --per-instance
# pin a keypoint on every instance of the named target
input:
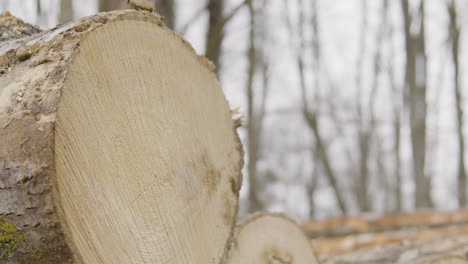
(410, 238)
(270, 239)
(116, 146)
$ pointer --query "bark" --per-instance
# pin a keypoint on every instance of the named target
(416, 92)
(312, 120)
(455, 48)
(368, 133)
(270, 238)
(93, 167)
(166, 9)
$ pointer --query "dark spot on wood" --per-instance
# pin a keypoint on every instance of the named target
(234, 186)
(211, 180)
(229, 209)
(275, 255)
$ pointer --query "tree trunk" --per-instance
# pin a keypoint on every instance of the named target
(416, 90)
(215, 35)
(455, 45)
(116, 145)
(166, 9)
(109, 5)
(66, 11)
(253, 132)
(270, 238)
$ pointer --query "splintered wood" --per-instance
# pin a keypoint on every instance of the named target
(422, 237)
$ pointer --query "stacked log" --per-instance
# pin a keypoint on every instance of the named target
(420, 237)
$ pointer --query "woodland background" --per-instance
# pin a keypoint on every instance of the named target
(350, 106)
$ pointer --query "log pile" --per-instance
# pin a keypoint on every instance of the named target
(118, 146)
(421, 237)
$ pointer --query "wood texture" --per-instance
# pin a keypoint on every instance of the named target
(117, 146)
(270, 239)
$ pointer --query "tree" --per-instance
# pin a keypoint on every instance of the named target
(365, 130)
(454, 39)
(258, 64)
(397, 95)
(416, 90)
(216, 26)
(309, 106)
(367, 119)
(109, 5)
(166, 9)
(215, 33)
(66, 11)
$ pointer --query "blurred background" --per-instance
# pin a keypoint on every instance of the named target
(350, 106)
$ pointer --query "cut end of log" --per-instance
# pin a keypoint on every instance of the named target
(270, 239)
(118, 131)
(145, 150)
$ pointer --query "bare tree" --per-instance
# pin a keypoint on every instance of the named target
(257, 59)
(454, 38)
(310, 113)
(361, 184)
(215, 35)
(216, 25)
(372, 131)
(66, 11)
(166, 9)
(416, 98)
(109, 5)
(397, 96)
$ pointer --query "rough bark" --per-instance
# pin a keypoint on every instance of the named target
(102, 157)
